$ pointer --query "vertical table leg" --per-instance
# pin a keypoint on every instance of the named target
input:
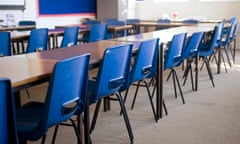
(159, 97)
(219, 60)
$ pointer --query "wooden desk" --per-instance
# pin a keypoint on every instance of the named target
(111, 28)
(165, 36)
(16, 28)
(147, 25)
(208, 21)
(30, 69)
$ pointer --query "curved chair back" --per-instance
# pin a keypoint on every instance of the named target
(91, 22)
(68, 86)
(236, 30)
(232, 20)
(26, 22)
(192, 45)
(5, 41)
(132, 21)
(161, 20)
(70, 36)
(98, 32)
(114, 70)
(228, 35)
(145, 62)
(135, 29)
(110, 20)
(207, 50)
(190, 21)
(173, 56)
(38, 40)
(7, 114)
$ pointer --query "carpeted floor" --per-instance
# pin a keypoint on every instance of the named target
(211, 115)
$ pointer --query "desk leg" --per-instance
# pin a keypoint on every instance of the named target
(219, 60)
(159, 97)
(17, 99)
(86, 123)
(234, 50)
(196, 72)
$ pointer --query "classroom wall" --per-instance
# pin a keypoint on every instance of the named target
(31, 13)
(145, 9)
(148, 9)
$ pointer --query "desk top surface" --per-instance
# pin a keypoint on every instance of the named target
(13, 28)
(167, 34)
(29, 68)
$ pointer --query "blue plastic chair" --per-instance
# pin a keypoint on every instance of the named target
(135, 29)
(190, 21)
(112, 75)
(144, 67)
(206, 49)
(38, 40)
(98, 32)
(173, 58)
(190, 53)
(5, 41)
(66, 94)
(225, 42)
(26, 23)
(113, 23)
(85, 36)
(70, 36)
(234, 38)
(7, 114)
(161, 20)
(110, 20)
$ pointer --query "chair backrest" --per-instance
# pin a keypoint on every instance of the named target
(132, 21)
(70, 36)
(66, 92)
(114, 23)
(228, 35)
(91, 22)
(114, 70)
(232, 20)
(135, 29)
(110, 20)
(98, 32)
(173, 56)
(5, 44)
(190, 21)
(7, 114)
(208, 49)
(145, 61)
(192, 45)
(236, 30)
(26, 22)
(38, 40)
(161, 20)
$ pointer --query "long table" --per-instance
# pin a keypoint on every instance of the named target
(30, 69)
(16, 28)
(152, 24)
(27, 70)
(165, 36)
(111, 28)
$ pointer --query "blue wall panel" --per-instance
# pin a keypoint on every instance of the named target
(50, 7)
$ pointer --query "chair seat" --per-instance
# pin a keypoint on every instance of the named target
(28, 117)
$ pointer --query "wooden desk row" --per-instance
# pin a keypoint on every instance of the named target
(28, 69)
(17, 28)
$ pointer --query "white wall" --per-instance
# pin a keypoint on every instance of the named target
(210, 10)
(31, 13)
(143, 10)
